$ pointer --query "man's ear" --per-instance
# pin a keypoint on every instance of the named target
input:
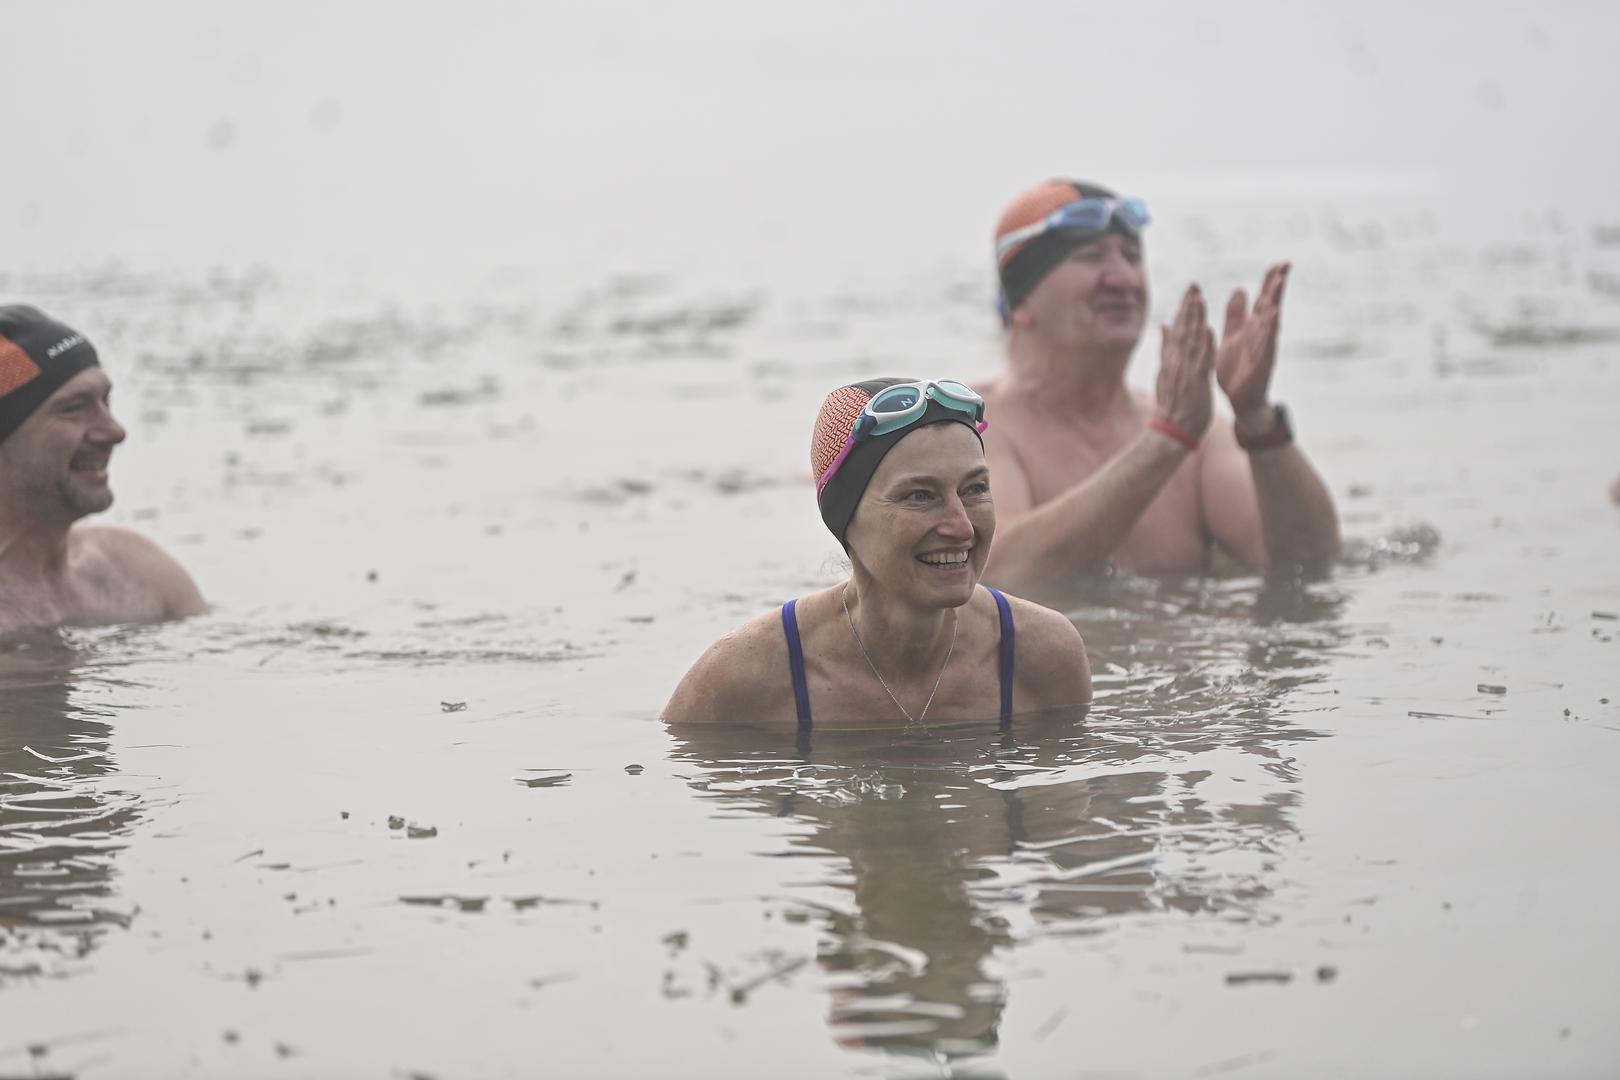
(1019, 316)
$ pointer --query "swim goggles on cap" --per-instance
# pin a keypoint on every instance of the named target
(893, 407)
(1091, 214)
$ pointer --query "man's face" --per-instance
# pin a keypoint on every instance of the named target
(1096, 298)
(57, 460)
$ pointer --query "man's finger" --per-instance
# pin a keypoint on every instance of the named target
(1282, 284)
(1237, 310)
(1276, 280)
(1190, 301)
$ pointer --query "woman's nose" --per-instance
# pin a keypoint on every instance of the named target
(956, 524)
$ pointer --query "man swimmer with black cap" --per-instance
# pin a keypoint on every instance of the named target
(57, 434)
(1088, 472)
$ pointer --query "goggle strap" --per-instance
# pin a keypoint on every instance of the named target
(1018, 236)
(826, 477)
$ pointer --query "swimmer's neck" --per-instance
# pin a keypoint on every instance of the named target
(34, 552)
(901, 640)
(1066, 380)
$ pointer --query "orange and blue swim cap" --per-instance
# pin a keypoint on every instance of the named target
(1022, 266)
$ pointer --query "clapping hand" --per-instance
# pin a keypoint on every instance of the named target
(1184, 395)
(1248, 350)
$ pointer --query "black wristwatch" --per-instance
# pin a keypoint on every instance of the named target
(1281, 433)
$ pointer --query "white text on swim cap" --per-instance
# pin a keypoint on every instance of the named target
(63, 346)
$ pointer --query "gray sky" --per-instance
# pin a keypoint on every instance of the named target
(188, 131)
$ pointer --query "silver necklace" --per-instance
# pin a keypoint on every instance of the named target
(956, 623)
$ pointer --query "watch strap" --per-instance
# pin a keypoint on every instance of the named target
(1281, 433)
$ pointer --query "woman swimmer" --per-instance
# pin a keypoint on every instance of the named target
(910, 637)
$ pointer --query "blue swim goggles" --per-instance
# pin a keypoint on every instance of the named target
(1091, 214)
(894, 407)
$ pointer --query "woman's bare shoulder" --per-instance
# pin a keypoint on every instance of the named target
(1052, 662)
(742, 677)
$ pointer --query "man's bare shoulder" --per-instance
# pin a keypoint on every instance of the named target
(741, 678)
(142, 561)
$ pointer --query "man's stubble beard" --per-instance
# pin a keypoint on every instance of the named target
(80, 504)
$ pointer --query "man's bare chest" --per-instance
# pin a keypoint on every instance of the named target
(91, 595)
(1168, 534)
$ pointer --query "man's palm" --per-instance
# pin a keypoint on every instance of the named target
(1248, 349)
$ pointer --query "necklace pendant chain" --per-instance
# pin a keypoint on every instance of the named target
(911, 721)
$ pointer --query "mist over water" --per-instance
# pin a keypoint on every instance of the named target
(469, 360)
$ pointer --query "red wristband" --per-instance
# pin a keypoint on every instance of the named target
(1165, 427)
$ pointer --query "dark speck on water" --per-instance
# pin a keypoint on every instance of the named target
(1247, 978)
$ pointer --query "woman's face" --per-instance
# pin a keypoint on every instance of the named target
(923, 527)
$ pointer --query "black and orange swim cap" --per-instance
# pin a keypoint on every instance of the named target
(1023, 266)
(37, 355)
(834, 424)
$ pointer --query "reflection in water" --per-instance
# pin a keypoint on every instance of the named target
(1174, 795)
(58, 823)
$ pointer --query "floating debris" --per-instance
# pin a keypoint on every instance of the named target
(547, 779)
(447, 900)
(421, 832)
(452, 706)
(634, 770)
(1491, 688)
(1245, 978)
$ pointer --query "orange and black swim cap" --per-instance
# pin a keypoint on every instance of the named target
(834, 423)
(1022, 267)
(37, 355)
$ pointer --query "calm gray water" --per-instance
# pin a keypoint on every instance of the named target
(469, 365)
